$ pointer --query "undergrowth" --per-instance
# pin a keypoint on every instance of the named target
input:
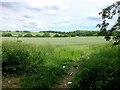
(37, 65)
(100, 70)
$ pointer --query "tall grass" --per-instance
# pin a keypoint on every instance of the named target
(100, 71)
(42, 65)
(38, 65)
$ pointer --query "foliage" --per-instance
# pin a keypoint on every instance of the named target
(56, 35)
(46, 34)
(72, 35)
(6, 35)
(45, 79)
(108, 13)
(38, 35)
(20, 35)
(39, 66)
(28, 35)
(14, 56)
(100, 70)
(26, 31)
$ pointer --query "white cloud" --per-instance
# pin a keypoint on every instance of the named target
(42, 14)
(42, 3)
(51, 12)
(9, 26)
(58, 25)
(67, 18)
(93, 17)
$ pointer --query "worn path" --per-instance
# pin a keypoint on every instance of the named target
(66, 81)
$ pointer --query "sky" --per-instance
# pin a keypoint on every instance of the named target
(58, 15)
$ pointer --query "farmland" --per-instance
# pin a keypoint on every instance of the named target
(48, 62)
(67, 41)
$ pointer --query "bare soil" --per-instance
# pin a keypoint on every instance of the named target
(66, 81)
(10, 82)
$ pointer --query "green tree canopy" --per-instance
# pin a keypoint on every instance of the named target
(108, 13)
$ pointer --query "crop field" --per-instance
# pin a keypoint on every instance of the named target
(67, 41)
(68, 62)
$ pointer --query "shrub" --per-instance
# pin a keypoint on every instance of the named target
(100, 71)
(14, 56)
(28, 35)
(20, 58)
(72, 35)
(38, 35)
(56, 35)
(6, 35)
(46, 34)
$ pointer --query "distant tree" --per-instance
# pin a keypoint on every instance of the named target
(72, 34)
(6, 35)
(56, 35)
(17, 31)
(46, 34)
(108, 13)
(89, 33)
(61, 35)
(26, 31)
(28, 35)
(38, 35)
(65, 35)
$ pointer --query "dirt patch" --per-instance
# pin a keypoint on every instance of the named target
(66, 81)
(10, 82)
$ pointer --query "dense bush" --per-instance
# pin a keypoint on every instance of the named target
(99, 71)
(20, 58)
(46, 34)
(6, 35)
(14, 56)
(56, 35)
(28, 35)
(72, 35)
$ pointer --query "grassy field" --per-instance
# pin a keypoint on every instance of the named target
(42, 62)
(67, 41)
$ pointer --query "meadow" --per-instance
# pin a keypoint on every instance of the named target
(42, 62)
(66, 41)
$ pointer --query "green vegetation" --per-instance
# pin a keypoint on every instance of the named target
(109, 13)
(77, 33)
(46, 34)
(38, 66)
(14, 56)
(6, 35)
(42, 62)
(28, 35)
(65, 41)
(38, 62)
(100, 70)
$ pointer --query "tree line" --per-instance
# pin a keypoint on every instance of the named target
(76, 33)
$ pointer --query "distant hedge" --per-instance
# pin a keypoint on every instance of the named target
(28, 35)
(6, 35)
